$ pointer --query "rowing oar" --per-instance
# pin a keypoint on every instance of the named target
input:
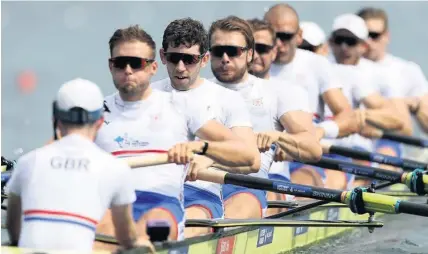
(416, 181)
(408, 140)
(359, 200)
(405, 164)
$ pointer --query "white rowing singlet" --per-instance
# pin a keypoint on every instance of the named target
(414, 80)
(226, 106)
(149, 126)
(357, 85)
(311, 71)
(267, 103)
(65, 189)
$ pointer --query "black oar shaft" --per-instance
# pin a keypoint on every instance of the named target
(406, 139)
(360, 170)
(376, 157)
(283, 187)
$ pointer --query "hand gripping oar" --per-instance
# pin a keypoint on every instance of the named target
(405, 164)
(359, 200)
(417, 181)
(408, 140)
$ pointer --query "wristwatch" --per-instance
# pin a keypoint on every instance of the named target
(204, 149)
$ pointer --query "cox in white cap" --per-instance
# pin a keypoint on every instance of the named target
(348, 38)
(314, 38)
(73, 182)
(78, 102)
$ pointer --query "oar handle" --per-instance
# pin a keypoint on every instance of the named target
(406, 139)
(376, 157)
(412, 208)
(356, 169)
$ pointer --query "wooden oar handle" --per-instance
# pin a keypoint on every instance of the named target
(212, 175)
(145, 161)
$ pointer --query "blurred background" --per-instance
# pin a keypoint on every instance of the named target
(45, 44)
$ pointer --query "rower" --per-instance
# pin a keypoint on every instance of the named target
(414, 83)
(185, 52)
(357, 86)
(63, 189)
(142, 121)
(264, 55)
(348, 41)
(314, 73)
(272, 110)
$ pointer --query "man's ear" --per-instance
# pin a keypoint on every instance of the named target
(162, 55)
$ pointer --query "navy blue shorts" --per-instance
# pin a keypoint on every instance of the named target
(150, 200)
(294, 166)
(396, 146)
(198, 197)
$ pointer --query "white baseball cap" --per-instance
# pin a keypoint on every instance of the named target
(353, 23)
(80, 93)
(312, 33)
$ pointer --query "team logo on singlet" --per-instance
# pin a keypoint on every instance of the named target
(125, 141)
(258, 102)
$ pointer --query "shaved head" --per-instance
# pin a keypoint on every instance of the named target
(281, 11)
(285, 22)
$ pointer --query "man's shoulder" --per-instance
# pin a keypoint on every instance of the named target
(162, 85)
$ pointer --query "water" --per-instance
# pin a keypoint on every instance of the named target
(64, 40)
(400, 234)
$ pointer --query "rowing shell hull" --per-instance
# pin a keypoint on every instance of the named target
(264, 240)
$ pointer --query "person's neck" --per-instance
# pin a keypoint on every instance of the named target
(81, 132)
(266, 76)
(381, 56)
(136, 97)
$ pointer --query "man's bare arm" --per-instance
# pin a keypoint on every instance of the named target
(13, 221)
(345, 117)
(227, 148)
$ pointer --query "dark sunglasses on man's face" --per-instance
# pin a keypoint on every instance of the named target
(284, 36)
(350, 41)
(263, 48)
(187, 59)
(374, 35)
(230, 51)
(135, 63)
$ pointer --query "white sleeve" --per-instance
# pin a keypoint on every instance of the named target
(365, 86)
(325, 75)
(419, 83)
(387, 82)
(125, 191)
(237, 114)
(292, 98)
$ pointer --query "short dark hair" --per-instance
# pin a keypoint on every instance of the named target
(233, 24)
(374, 13)
(132, 33)
(187, 32)
(261, 25)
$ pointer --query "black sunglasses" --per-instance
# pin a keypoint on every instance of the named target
(187, 59)
(135, 63)
(375, 35)
(263, 48)
(350, 41)
(230, 51)
(284, 36)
